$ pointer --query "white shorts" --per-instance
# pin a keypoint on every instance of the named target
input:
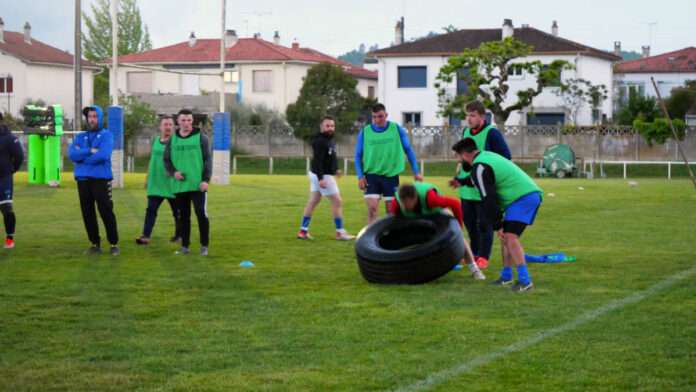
(331, 186)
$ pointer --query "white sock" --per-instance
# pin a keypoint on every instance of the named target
(473, 267)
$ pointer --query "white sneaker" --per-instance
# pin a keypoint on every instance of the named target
(343, 235)
(478, 275)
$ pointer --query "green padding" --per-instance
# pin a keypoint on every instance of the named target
(52, 158)
(35, 161)
(58, 119)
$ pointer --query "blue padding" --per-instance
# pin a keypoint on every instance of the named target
(221, 131)
(114, 123)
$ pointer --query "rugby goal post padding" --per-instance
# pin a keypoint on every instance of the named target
(114, 120)
(221, 148)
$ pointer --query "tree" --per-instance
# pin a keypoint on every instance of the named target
(577, 93)
(357, 57)
(638, 107)
(485, 70)
(133, 36)
(137, 115)
(682, 100)
(327, 90)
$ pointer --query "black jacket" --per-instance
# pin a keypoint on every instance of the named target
(11, 152)
(324, 161)
(205, 149)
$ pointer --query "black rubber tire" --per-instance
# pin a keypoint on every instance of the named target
(398, 250)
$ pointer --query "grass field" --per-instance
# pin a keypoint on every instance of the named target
(622, 318)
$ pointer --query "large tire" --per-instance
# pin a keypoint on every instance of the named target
(398, 250)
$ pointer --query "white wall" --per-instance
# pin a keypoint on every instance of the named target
(665, 81)
(364, 84)
(400, 100)
(54, 84)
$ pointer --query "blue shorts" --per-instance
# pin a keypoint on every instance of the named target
(523, 209)
(6, 187)
(381, 185)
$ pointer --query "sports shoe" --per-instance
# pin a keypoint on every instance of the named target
(519, 286)
(142, 241)
(114, 250)
(501, 282)
(183, 251)
(203, 251)
(174, 240)
(342, 235)
(482, 262)
(478, 275)
(9, 243)
(304, 236)
(93, 249)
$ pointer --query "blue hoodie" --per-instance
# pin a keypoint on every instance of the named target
(90, 165)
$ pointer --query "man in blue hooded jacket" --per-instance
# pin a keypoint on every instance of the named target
(11, 158)
(91, 152)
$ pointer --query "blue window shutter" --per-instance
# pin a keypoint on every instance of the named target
(413, 76)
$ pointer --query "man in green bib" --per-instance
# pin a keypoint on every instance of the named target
(379, 159)
(510, 200)
(487, 138)
(159, 184)
(188, 159)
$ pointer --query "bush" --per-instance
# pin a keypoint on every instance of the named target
(658, 130)
(258, 114)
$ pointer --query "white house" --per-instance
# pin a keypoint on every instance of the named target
(30, 69)
(257, 70)
(407, 72)
(669, 70)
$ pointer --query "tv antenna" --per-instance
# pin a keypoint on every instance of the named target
(650, 27)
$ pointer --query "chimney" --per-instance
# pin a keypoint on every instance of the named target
(507, 28)
(192, 40)
(295, 46)
(554, 29)
(27, 33)
(276, 39)
(399, 32)
(230, 38)
(257, 35)
(525, 25)
(617, 48)
(646, 51)
(2, 31)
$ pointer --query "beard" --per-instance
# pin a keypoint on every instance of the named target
(330, 135)
(466, 166)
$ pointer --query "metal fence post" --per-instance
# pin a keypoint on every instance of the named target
(234, 134)
(268, 134)
(307, 164)
(234, 164)
(270, 165)
(345, 166)
(558, 133)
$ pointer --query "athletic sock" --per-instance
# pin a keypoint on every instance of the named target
(305, 224)
(523, 274)
(10, 236)
(339, 223)
(473, 267)
(507, 273)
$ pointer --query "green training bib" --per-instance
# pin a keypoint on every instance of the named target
(187, 158)
(383, 153)
(422, 189)
(465, 192)
(158, 183)
(511, 182)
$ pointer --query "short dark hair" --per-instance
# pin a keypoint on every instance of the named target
(88, 109)
(378, 108)
(465, 145)
(184, 112)
(476, 106)
(166, 117)
(407, 191)
(326, 118)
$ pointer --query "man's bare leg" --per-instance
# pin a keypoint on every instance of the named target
(372, 204)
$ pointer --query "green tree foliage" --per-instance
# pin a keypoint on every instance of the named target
(357, 57)
(638, 107)
(658, 131)
(133, 37)
(485, 70)
(327, 90)
(137, 116)
(682, 100)
(256, 114)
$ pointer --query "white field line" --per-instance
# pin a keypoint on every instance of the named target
(444, 375)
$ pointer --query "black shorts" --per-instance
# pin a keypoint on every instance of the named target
(381, 185)
(514, 227)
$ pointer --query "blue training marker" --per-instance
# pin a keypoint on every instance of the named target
(246, 263)
(457, 267)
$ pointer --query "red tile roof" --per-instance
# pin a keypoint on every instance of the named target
(245, 50)
(683, 60)
(37, 51)
(457, 41)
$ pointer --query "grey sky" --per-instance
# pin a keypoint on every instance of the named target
(336, 27)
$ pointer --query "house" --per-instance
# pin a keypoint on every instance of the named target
(32, 70)
(670, 70)
(258, 71)
(407, 72)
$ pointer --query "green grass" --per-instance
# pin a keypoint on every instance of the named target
(304, 319)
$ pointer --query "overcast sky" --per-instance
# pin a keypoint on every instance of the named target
(336, 27)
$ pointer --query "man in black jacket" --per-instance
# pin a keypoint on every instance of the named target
(322, 181)
(11, 158)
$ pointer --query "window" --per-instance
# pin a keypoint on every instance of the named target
(455, 122)
(546, 119)
(410, 77)
(628, 89)
(6, 85)
(370, 91)
(413, 118)
(558, 81)
(139, 82)
(262, 81)
(462, 84)
(232, 76)
(514, 71)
